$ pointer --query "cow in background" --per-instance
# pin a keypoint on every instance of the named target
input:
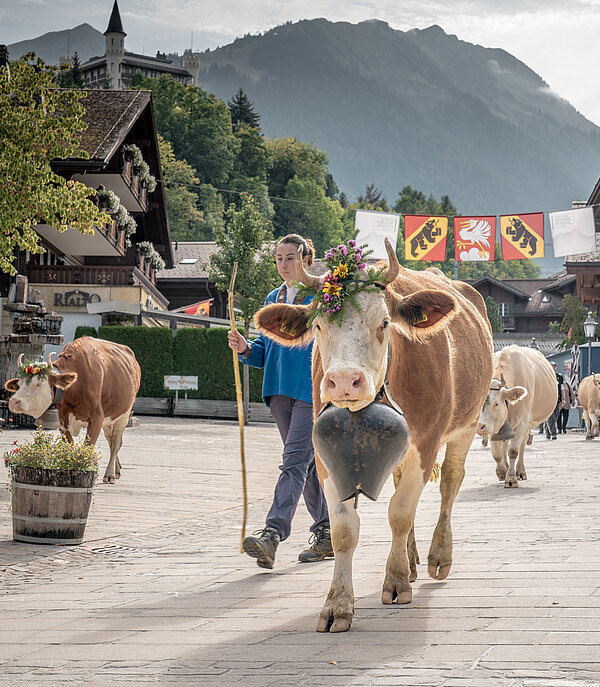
(524, 392)
(589, 397)
(441, 366)
(100, 380)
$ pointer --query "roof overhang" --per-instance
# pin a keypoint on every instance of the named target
(115, 183)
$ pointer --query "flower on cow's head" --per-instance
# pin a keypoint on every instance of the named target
(28, 370)
(347, 275)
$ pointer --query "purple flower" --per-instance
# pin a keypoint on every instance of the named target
(362, 266)
(352, 243)
(326, 297)
(343, 249)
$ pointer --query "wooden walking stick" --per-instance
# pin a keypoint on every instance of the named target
(240, 405)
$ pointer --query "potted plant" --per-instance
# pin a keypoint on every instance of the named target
(52, 482)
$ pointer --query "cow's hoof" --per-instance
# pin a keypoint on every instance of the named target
(110, 480)
(330, 623)
(522, 475)
(510, 483)
(391, 593)
(439, 572)
(588, 437)
(501, 475)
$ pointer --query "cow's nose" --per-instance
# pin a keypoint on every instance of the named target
(345, 384)
(480, 429)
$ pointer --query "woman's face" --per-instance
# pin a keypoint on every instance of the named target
(285, 258)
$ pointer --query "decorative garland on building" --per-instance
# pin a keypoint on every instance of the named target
(118, 212)
(147, 248)
(140, 166)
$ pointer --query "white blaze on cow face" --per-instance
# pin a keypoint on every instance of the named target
(354, 355)
(32, 398)
(495, 409)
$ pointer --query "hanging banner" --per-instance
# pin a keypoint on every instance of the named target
(373, 228)
(202, 308)
(573, 231)
(474, 238)
(425, 237)
(522, 236)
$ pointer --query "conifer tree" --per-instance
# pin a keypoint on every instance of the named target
(242, 111)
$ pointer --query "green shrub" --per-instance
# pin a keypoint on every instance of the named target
(84, 330)
(52, 452)
(204, 353)
(153, 348)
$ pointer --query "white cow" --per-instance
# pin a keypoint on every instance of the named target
(589, 397)
(524, 391)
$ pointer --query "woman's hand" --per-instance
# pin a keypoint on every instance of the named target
(236, 341)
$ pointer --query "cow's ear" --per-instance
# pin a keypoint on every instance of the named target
(286, 324)
(423, 313)
(514, 394)
(62, 381)
(12, 385)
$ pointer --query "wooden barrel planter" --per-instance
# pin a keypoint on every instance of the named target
(50, 506)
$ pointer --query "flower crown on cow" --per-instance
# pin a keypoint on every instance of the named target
(30, 369)
(345, 279)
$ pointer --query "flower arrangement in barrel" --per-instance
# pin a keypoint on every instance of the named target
(347, 276)
(52, 452)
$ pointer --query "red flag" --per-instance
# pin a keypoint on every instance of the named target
(201, 308)
(474, 238)
(522, 236)
(425, 237)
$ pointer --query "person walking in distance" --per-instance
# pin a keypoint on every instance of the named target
(552, 420)
(566, 403)
(287, 390)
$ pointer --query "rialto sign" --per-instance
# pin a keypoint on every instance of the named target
(75, 299)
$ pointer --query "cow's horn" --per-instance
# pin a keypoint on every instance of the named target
(393, 270)
(49, 359)
(304, 277)
(20, 360)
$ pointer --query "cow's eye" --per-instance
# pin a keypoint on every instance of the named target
(317, 326)
(385, 323)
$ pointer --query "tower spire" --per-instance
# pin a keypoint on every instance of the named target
(115, 25)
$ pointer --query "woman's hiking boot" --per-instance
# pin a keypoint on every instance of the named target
(263, 546)
(320, 548)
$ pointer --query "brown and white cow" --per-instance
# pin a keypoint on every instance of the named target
(523, 391)
(439, 375)
(100, 380)
(589, 397)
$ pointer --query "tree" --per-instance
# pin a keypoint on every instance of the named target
(572, 322)
(242, 111)
(198, 126)
(373, 199)
(245, 239)
(493, 315)
(182, 200)
(39, 123)
(249, 173)
(76, 72)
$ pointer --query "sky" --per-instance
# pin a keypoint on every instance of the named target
(558, 39)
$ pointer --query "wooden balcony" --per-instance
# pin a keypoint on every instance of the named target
(100, 275)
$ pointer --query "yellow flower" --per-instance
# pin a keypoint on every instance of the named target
(36, 370)
(341, 270)
(331, 288)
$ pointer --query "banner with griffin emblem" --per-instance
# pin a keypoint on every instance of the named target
(425, 237)
(522, 236)
(474, 238)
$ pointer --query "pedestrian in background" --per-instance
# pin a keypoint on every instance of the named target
(287, 390)
(552, 420)
(566, 403)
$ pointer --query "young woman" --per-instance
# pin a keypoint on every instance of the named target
(287, 390)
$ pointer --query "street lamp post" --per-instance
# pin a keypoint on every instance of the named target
(589, 328)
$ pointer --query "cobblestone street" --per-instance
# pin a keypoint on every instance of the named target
(158, 593)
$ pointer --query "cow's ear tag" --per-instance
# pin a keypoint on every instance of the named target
(289, 329)
(419, 317)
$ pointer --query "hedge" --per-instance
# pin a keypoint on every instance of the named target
(153, 348)
(204, 353)
(84, 330)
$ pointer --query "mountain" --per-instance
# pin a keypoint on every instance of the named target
(418, 107)
(84, 40)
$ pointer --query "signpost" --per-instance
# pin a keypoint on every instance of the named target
(179, 383)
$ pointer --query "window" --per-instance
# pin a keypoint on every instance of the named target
(505, 309)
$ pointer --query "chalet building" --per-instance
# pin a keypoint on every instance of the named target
(188, 281)
(116, 67)
(527, 306)
(119, 262)
(586, 267)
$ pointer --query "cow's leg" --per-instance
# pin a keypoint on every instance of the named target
(520, 469)
(593, 425)
(410, 481)
(453, 473)
(337, 612)
(588, 425)
(499, 451)
(515, 446)
(114, 436)
(413, 554)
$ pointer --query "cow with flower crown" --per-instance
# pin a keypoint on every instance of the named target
(437, 337)
(94, 386)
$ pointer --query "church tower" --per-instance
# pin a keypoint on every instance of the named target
(115, 48)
